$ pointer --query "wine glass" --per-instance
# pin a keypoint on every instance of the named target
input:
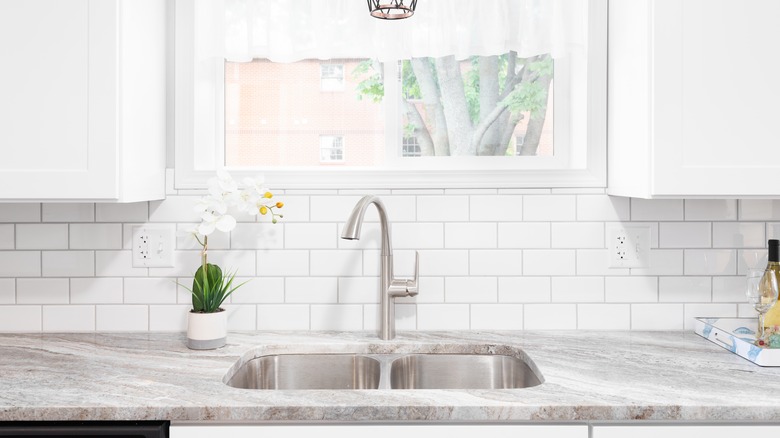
(762, 298)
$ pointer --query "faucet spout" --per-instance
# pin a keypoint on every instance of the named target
(389, 287)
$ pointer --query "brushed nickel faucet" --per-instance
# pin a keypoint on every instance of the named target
(389, 287)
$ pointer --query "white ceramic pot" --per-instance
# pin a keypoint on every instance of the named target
(206, 331)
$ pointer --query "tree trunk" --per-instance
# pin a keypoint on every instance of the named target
(453, 97)
(536, 122)
(435, 121)
(488, 99)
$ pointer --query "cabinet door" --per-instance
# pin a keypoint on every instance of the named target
(715, 89)
(57, 99)
(724, 431)
(382, 431)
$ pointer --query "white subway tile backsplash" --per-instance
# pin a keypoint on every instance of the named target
(310, 235)
(414, 235)
(577, 289)
(42, 291)
(336, 317)
(20, 318)
(496, 317)
(122, 318)
(150, 290)
(710, 262)
(631, 289)
(41, 236)
(96, 290)
(443, 317)
(524, 289)
(689, 289)
(492, 262)
(657, 317)
(728, 289)
(604, 316)
(7, 291)
(20, 263)
(282, 263)
(550, 316)
(358, 290)
(738, 235)
(256, 290)
(471, 289)
(68, 263)
(685, 235)
(698, 310)
(117, 264)
(311, 290)
(596, 262)
(524, 235)
(68, 318)
(711, 209)
(546, 208)
(549, 262)
(96, 236)
(602, 208)
(759, 209)
(168, 318)
(130, 212)
(490, 259)
(68, 212)
(283, 317)
(470, 235)
(577, 235)
(336, 263)
(20, 212)
(496, 208)
(443, 208)
(656, 209)
(7, 236)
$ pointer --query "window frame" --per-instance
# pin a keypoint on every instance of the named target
(200, 130)
(332, 148)
(341, 84)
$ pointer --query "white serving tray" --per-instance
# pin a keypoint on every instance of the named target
(737, 336)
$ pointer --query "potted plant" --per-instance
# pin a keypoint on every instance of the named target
(211, 286)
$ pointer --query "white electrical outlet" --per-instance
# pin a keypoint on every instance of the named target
(628, 246)
(153, 246)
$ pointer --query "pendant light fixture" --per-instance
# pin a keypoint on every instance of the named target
(391, 9)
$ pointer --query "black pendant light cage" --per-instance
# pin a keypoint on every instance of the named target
(391, 9)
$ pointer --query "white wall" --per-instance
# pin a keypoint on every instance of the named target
(491, 259)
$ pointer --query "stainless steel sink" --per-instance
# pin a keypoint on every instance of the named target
(308, 371)
(362, 368)
(461, 371)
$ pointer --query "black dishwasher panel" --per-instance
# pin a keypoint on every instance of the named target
(92, 429)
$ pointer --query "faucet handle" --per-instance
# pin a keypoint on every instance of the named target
(412, 286)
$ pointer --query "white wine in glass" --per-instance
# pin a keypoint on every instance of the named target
(762, 290)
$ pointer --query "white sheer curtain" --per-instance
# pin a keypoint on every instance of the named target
(291, 30)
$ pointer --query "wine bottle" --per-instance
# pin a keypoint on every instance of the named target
(772, 317)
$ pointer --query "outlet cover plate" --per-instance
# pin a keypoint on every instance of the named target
(628, 246)
(153, 246)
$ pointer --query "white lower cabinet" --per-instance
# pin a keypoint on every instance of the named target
(383, 431)
(684, 431)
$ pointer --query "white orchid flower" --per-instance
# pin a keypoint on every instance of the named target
(210, 222)
(216, 204)
(221, 184)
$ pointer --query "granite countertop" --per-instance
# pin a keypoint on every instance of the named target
(588, 376)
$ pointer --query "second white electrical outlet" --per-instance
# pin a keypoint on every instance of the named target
(628, 246)
(153, 246)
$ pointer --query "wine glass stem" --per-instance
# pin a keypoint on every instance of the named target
(761, 325)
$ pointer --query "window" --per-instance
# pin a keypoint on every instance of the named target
(332, 77)
(410, 147)
(422, 109)
(331, 149)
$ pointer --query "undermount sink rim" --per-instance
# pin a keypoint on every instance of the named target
(386, 353)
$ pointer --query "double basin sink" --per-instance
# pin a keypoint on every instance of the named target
(312, 371)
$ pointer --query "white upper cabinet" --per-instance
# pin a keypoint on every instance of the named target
(82, 100)
(694, 98)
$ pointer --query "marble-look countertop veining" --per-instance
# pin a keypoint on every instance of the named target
(589, 376)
